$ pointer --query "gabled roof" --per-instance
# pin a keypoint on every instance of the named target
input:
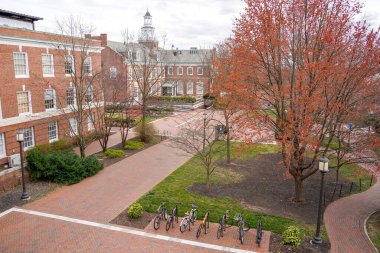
(15, 15)
(147, 14)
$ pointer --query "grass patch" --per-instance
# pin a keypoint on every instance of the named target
(173, 189)
(334, 143)
(373, 228)
(134, 145)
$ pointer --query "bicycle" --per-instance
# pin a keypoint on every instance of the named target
(161, 215)
(189, 218)
(223, 224)
(259, 234)
(173, 217)
(204, 224)
(241, 224)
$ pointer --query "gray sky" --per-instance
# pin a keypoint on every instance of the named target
(186, 23)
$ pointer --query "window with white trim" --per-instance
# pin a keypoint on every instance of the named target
(70, 96)
(179, 88)
(200, 88)
(28, 137)
(20, 61)
(91, 117)
(170, 71)
(23, 102)
(89, 94)
(190, 88)
(135, 91)
(190, 71)
(47, 65)
(49, 99)
(180, 71)
(87, 66)
(69, 64)
(113, 72)
(200, 71)
(2, 145)
(53, 131)
(73, 126)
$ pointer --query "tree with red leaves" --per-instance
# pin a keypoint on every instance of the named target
(314, 64)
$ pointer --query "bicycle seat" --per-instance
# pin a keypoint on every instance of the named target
(194, 206)
(187, 213)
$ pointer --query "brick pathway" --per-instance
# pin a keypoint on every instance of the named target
(345, 221)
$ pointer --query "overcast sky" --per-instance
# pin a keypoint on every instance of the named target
(186, 23)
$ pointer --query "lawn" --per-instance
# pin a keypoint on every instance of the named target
(174, 189)
(373, 228)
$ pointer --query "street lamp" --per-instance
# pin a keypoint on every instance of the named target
(323, 168)
(204, 130)
(20, 139)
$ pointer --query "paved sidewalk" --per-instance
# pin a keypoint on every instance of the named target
(345, 221)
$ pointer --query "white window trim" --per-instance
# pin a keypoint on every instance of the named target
(170, 71)
(181, 71)
(203, 88)
(52, 64)
(33, 140)
(180, 91)
(75, 101)
(192, 71)
(29, 104)
(192, 88)
(57, 137)
(54, 101)
(200, 68)
(26, 68)
(72, 132)
(2, 135)
(90, 122)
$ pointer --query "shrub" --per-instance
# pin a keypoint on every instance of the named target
(135, 210)
(149, 133)
(64, 167)
(208, 96)
(291, 236)
(185, 99)
(113, 153)
(133, 145)
(61, 145)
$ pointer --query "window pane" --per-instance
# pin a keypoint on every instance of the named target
(49, 99)
(2, 145)
(47, 64)
(73, 126)
(20, 65)
(28, 137)
(87, 67)
(70, 93)
(199, 88)
(190, 88)
(23, 102)
(53, 133)
(69, 68)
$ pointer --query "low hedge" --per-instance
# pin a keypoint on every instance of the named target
(133, 145)
(114, 153)
(61, 145)
(185, 99)
(64, 167)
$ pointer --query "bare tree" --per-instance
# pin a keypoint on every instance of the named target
(146, 72)
(198, 139)
(78, 101)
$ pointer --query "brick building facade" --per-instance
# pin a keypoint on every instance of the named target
(36, 89)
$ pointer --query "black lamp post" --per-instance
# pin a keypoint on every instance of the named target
(323, 168)
(204, 130)
(20, 140)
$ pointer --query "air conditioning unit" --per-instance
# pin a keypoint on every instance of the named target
(14, 160)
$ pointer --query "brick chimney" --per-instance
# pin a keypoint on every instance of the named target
(103, 39)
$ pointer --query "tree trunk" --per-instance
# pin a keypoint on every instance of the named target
(208, 181)
(228, 144)
(82, 150)
(337, 175)
(143, 122)
(298, 189)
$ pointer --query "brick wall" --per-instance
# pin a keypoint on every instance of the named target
(12, 179)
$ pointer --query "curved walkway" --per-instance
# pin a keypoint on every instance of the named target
(345, 221)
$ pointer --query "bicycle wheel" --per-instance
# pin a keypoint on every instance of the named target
(241, 235)
(199, 231)
(219, 233)
(182, 226)
(169, 223)
(156, 223)
(194, 216)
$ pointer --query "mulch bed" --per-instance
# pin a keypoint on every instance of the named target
(36, 190)
(305, 247)
(124, 220)
(266, 189)
(107, 161)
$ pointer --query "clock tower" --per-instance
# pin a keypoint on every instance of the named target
(147, 35)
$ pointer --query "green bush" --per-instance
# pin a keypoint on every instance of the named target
(113, 153)
(64, 167)
(208, 96)
(185, 99)
(291, 236)
(135, 210)
(133, 145)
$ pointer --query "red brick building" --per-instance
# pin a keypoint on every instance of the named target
(36, 90)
